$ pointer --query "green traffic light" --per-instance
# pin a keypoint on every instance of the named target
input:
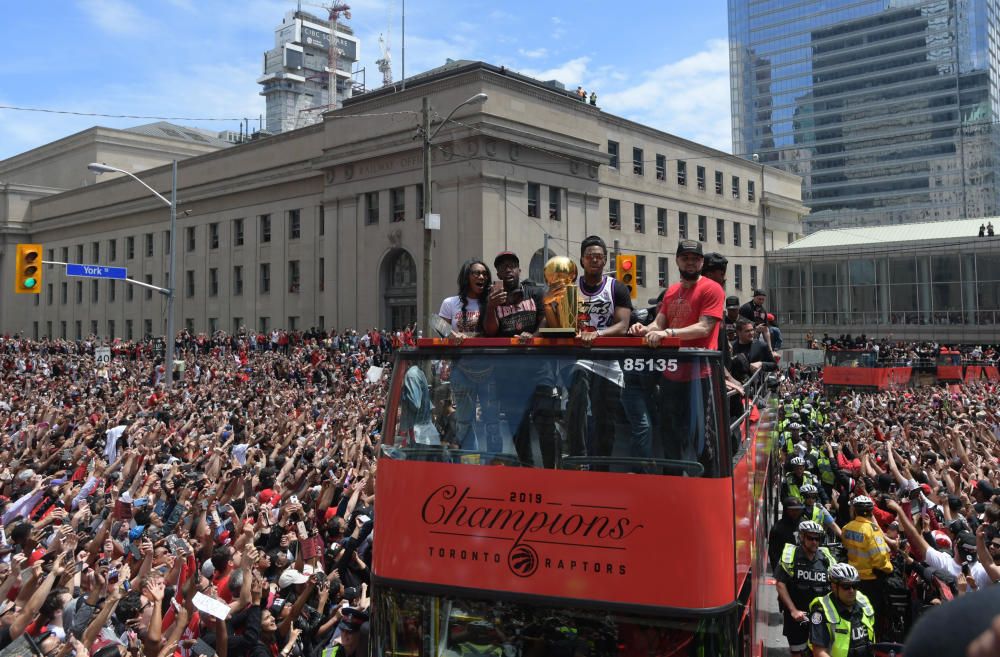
(29, 283)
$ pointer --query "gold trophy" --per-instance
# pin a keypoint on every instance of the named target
(561, 299)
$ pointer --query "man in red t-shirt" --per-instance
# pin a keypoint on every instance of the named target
(691, 310)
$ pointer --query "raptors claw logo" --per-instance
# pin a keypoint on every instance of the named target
(523, 560)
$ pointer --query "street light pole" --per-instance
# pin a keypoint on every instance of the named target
(100, 168)
(171, 274)
(428, 137)
(428, 208)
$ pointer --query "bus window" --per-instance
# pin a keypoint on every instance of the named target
(641, 410)
(417, 625)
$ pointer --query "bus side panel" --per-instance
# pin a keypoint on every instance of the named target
(625, 538)
(745, 513)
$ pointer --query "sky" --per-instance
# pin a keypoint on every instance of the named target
(661, 63)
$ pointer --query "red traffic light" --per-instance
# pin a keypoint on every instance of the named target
(626, 265)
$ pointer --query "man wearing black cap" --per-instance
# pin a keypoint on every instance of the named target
(754, 308)
(513, 308)
(691, 311)
(783, 531)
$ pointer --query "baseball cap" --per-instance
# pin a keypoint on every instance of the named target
(732, 302)
(689, 246)
(759, 293)
(655, 301)
(715, 261)
(291, 577)
(793, 503)
(268, 496)
(505, 254)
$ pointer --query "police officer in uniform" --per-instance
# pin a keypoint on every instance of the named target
(868, 552)
(817, 512)
(795, 479)
(842, 622)
(783, 531)
(801, 578)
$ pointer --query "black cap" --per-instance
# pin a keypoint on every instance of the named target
(759, 293)
(732, 302)
(505, 254)
(984, 486)
(714, 262)
(689, 246)
(655, 301)
(793, 503)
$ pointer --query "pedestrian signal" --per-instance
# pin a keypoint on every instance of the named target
(28, 276)
(625, 272)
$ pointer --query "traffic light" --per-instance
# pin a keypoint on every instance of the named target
(625, 272)
(28, 277)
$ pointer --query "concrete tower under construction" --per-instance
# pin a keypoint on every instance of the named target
(299, 69)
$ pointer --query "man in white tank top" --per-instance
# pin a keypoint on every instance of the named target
(605, 308)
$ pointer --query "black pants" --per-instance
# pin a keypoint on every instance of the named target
(593, 402)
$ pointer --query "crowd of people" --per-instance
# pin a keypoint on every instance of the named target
(904, 487)
(231, 513)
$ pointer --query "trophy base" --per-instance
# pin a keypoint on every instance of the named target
(554, 332)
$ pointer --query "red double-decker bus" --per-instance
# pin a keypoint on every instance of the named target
(555, 499)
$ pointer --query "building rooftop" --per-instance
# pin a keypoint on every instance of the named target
(917, 232)
(167, 130)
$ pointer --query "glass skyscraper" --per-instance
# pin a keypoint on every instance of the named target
(886, 108)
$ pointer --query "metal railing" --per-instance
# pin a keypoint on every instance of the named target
(910, 318)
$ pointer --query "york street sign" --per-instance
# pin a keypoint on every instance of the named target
(97, 271)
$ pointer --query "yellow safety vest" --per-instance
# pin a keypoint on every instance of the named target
(866, 547)
(817, 515)
(793, 488)
(840, 628)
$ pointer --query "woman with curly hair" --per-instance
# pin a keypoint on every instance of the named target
(471, 378)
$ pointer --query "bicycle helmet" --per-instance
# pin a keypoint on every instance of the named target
(797, 461)
(844, 573)
(810, 527)
(808, 489)
(941, 540)
(863, 503)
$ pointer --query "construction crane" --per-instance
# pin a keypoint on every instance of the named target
(335, 11)
(384, 63)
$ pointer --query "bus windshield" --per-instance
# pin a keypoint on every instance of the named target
(418, 625)
(640, 410)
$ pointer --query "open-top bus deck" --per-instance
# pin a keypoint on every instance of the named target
(554, 499)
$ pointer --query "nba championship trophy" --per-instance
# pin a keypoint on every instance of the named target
(560, 300)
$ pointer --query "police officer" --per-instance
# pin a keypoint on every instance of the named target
(817, 512)
(801, 578)
(795, 479)
(868, 552)
(783, 531)
(842, 622)
(350, 639)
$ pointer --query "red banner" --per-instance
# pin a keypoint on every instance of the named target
(633, 539)
(874, 377)
(949, 372)
(973, 373)
(991, 372)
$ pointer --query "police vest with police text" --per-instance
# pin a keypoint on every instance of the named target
(841, 630)
(809, 577)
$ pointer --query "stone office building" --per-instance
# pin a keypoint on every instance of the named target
(321, 226)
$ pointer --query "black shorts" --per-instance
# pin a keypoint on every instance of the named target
(796, 633)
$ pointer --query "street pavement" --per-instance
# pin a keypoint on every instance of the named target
(769, 628)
